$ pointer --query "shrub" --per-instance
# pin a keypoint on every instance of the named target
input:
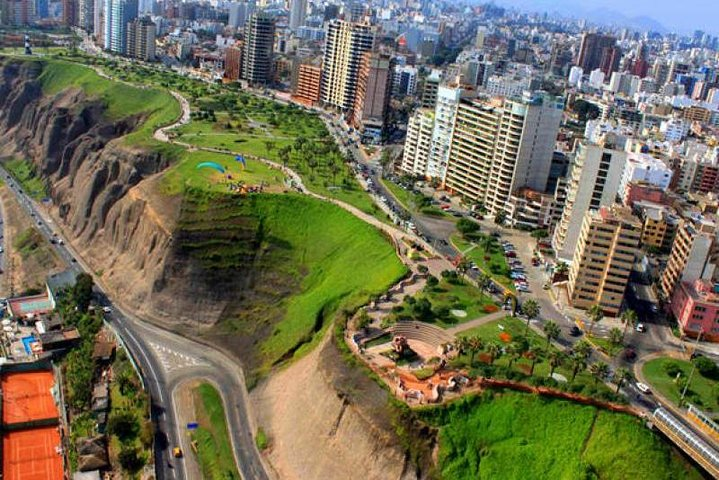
(423, 373)
(707, 368)
(672, 368)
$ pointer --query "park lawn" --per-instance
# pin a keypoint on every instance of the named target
(346, 260)
(403, 196)
(611, 349)
(214, 448)
(121, 100)
(24, 172)
(512, 435)
(185, 174)
(493, 263)
(702, 392)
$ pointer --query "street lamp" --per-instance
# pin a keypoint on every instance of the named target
(694, 367)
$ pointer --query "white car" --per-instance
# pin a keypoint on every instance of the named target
(106, 309)
(643, 388)
(641, 327)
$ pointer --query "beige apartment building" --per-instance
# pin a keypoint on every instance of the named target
(693, 254)
(500, 145)
(604, 258)
(345, 44)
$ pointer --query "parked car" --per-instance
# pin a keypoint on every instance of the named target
(641, 327)
(575, 331)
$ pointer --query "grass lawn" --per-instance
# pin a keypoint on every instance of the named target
(185, 174)
(156, 106)
(24, 172)
(214, 449)
(491, 261)
(512, 435)
(403, 196)
(703, 392)
(611, 349)
(515, 327)
(446, 297)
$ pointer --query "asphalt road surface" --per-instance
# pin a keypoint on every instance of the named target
(166, 360)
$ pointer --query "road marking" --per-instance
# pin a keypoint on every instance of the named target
(172, 360)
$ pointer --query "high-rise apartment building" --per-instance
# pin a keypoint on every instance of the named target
(418, 142)
(118, 14)
(141, 39)
(233, 62)
(593, 182)
(370, 113)
(345, 44)
(258, 49)
(18, 12)
(500, 145)
(431, 85)
(298, 13)
(69, 12)
(307, 90)
(605, 254)
(592, 50)
(238, 14)
(86, 15)
(693, 254)
(610, 60)
(98, 22)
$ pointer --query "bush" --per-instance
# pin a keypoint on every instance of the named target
(672, 369)
(491, 308)
(423, 373)
(707, 368)
(130, 459)
(124, 425)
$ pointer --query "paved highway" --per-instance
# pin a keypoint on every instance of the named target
(166, 360)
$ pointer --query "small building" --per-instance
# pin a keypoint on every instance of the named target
(62, 340)
(528, 208)
(101, 398)
(695, 305)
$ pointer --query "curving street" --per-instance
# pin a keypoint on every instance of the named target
(166, 360)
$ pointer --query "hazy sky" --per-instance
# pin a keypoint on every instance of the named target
(683, 15)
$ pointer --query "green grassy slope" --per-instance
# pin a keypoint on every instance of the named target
(214, 449)
(523, 436)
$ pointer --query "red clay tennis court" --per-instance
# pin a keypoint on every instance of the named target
(26, 396)
(32, 455)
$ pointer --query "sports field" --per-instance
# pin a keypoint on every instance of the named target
(26, 397)
(32, 455)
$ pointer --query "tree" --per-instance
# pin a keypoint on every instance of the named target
(539, 234)
(530, 308)
(707, 368)
(629, 317)
(514, 350)
(461, 344)
(621, 375)
(615, 336)
(599, 371)
(130, 459)
(556, 359)
(362, 320)
(494, 351)
(483, 282)
(551, 331)
(596, 315)
(124, 425)
(536, 353)
(269, 146)
(475, 345)
(463, 265)
(578, 364)
(432, 281)
(421, 309)
(467, 227)
(82, 291)
(500, 218)
(582, 349)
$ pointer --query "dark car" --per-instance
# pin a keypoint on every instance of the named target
(575, 331)
(630, 354)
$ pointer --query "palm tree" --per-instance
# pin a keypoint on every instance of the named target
(500, 217)
(514, 350)
(556, 359)
(629, 317)
(461, 344)
(494, 351)
(463, 265)
(475, 344)
(535, 353)
(621, 375)
(561, 268)
(599, 370)
(483, 282)
(582, 349)
(531, 310)
(578, 363)
(615, 336)
(552, 331)
(596, 315)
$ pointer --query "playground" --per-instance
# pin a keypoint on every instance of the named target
(34, 454)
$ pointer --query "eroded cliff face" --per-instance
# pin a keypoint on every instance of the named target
(101, 189)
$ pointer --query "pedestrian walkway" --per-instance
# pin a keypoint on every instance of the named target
(477, 322)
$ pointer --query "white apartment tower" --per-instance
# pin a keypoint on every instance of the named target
(298, 13)
(118, 13)
(345, 44)
(418, 142)
(593, 182)
(500, 145)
